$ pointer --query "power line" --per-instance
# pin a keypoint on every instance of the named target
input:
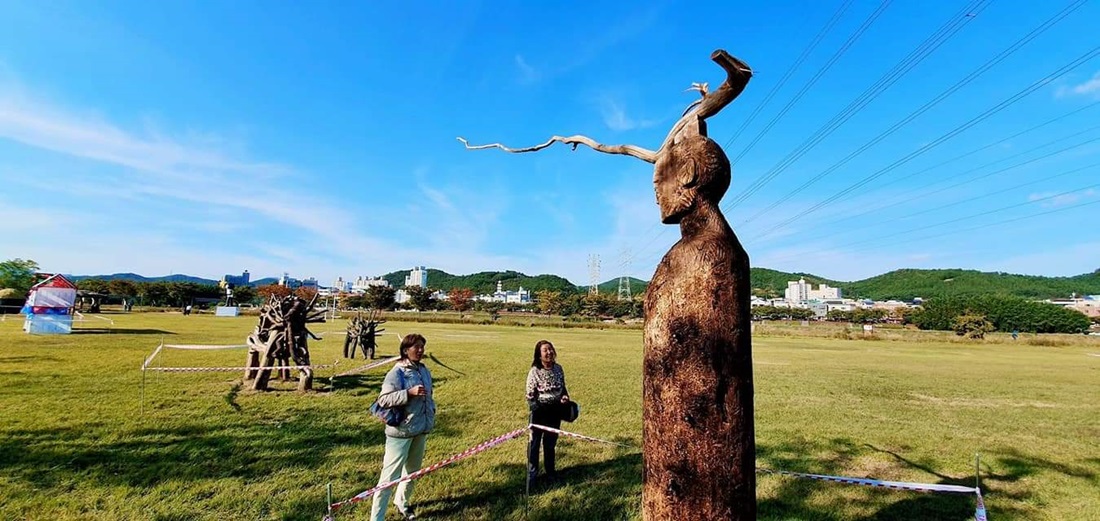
(971, 180)
(940, 140)
(929, 105)
(960, 230)
(817, 76)
(968, 154)
(951, 27)
(828, 27)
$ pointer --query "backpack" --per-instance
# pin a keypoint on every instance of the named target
(392, 416)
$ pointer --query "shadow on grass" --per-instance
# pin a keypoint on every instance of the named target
(602, 490)
(443, 365)
(115, 331)
(28, 358)
(792, 498)
(198, 451)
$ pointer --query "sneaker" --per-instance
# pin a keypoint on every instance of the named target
(408, 514)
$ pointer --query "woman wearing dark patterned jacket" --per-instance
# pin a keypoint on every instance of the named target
(546, 396)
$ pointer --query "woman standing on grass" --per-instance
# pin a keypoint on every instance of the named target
(546, 398)
(409, 386)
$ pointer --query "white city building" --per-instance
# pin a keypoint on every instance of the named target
(417, 277)
(801, 291)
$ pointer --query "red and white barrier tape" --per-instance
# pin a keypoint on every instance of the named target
(203, 347)
(231, 369)
(979, 514)
(481, 447)
(897, 485)
(369, 366)
(575, 435)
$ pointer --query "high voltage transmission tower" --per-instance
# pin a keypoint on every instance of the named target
(624, 278)
(594, 274)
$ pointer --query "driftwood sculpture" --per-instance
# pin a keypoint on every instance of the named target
(698, 435)
(280, 338)
(363, 334)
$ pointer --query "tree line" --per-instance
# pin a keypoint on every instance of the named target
(1003, 313)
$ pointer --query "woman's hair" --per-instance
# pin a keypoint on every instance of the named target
(409, 341)
(536, 361)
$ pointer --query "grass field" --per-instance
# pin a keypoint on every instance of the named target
(74, 445)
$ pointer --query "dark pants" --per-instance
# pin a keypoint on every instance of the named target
(550, 416)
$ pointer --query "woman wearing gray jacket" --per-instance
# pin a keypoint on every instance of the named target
(409, 386)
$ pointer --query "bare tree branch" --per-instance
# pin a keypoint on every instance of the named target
(648, 156)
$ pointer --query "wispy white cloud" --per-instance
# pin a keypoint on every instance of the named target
(527, 73)
(1050, 200)
(1088, 87)
(207, 175)
(616, 118)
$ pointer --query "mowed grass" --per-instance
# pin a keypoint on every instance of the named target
(74, 444)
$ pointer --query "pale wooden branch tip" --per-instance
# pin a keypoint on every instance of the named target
(648, 156)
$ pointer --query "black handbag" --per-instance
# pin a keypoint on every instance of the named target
(570, 411)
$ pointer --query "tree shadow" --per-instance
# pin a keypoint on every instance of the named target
(572, 497)
(28, 358)
(148, 456)
(792, 497)
(116, 331)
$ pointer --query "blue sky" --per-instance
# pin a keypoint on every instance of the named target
(318, 138)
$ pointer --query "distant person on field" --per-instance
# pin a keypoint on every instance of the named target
(405, 442)
(546, 398)
(1015, 334)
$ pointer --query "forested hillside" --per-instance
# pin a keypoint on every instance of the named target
(909, 283)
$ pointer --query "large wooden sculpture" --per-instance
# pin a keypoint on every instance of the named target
(363, 334)
(281, 337)
(698, 436)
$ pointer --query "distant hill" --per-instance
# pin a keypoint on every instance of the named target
(637, 286)
(902, 284)
(909, 283)
(264, 282)
(138, 278)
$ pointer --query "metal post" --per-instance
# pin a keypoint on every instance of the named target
(143, 389)
(328, 504)
(978, 471)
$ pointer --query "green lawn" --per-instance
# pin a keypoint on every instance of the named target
(74, 445)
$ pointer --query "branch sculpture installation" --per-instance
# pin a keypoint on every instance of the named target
(363, 334)
(280, 337)
(698, 434)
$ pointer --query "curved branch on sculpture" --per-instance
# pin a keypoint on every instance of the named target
(738, 74)
(648, 156)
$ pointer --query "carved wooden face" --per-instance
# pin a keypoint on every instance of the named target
(692, 170)
(674, 184)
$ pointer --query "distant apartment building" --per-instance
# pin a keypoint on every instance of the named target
(801, 291)
(362, 284)
(293, 283)
(237, 280)
(290, 282)
(417, 277)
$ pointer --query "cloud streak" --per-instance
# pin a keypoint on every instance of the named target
(146, 167)
(1088, 87)
(616, 118)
